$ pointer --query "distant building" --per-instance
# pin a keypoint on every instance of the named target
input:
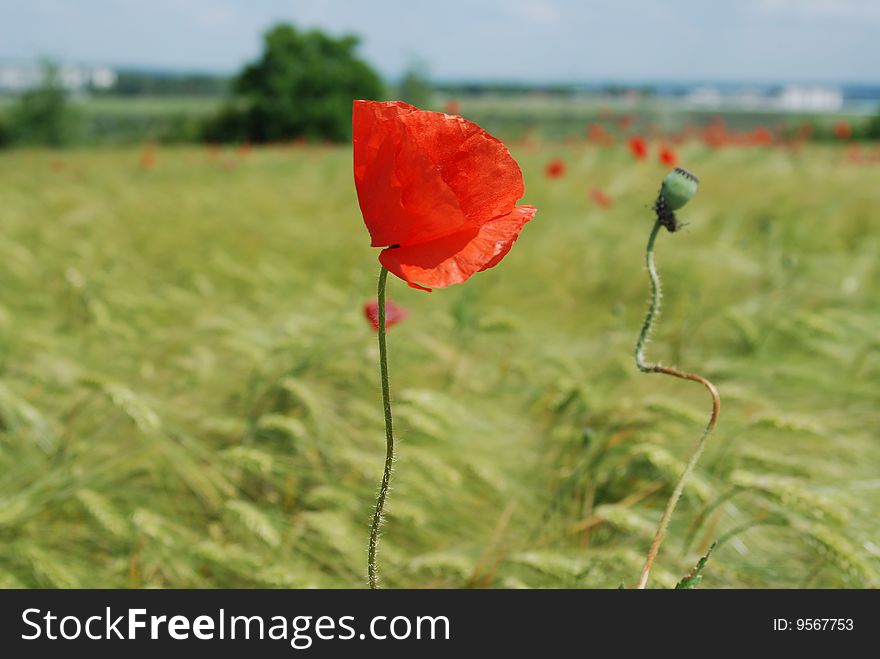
(791, 98)
(749, 99)
(14, 77)
(18, 77)
(706, 97)
(809, 99)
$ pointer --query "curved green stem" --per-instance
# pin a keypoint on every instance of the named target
(655, 300)
(647, 367)
(372, 570)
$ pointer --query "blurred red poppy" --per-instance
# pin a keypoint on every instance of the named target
(598, 135)
(600, 198)
(854, 153)
(805, 130)
(842, 130)
(393, 314)
(638, 147)
(148, 156)
(668, 156)
(452, 107)
(555, 168)
(715, 134)
(715, 138)
(625, 122)
(762, 136)
(436, 190)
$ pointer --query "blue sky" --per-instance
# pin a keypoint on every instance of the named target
(583, 40)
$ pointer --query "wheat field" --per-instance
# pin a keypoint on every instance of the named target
(189, 392)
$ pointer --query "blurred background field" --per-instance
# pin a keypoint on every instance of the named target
(189, 391)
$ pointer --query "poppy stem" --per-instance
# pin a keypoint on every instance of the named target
(372, 569)
(647, 367)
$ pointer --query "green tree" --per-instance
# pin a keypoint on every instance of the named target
(42, 116)
(5, 131)
(301, 86)
(415, 87)
(872, 130)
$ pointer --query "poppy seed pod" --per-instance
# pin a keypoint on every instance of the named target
(678, 188)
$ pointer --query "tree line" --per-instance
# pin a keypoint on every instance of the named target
(300, 87)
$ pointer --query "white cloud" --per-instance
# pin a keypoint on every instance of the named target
(823, 9)
(542, 12)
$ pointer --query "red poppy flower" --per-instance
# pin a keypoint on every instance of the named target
(854, 153)
(600, 198)
(715, 134)
(842, 130)
(762, 136)
(555, 169)
(598, 135)
(668, 156)
(148, 157)
(393, 313)
(436, 190)
(805, 130)
(638, 147)
(715, 137)
(452, 107)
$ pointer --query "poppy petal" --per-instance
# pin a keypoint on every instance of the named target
(452, 259)
(424, 175)
(393, 314)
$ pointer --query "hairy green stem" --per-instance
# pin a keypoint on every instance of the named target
(647, 367)
(655, 301)
(372, 570)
